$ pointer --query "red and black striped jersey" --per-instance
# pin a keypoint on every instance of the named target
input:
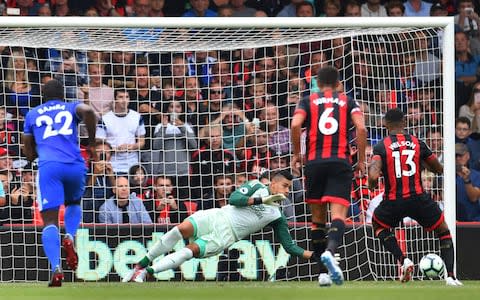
(401, 156)
(327, 122)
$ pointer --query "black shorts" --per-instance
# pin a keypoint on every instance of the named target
(328, 182)
(420, 208)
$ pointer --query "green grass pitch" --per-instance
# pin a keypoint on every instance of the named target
(368, 290)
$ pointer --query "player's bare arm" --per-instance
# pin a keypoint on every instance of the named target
(359, 122)
(87, 114)
(139, 143)
(432, 164)
(296, 132)
(374, 172)
(29, 147)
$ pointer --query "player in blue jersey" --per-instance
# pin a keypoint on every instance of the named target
(50, 133)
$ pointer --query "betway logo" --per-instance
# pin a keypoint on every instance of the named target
(109, 260)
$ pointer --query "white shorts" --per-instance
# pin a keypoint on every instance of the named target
(212, 232)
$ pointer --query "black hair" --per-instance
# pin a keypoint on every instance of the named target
(328, 75)
(53, 89)
(119, 90)
(394, 115)
(304, 3)
(133, 171)
(463, 120)
(281, 173)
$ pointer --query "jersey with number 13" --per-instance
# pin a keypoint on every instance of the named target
(328, 121)
(54, 127)
(402, 155)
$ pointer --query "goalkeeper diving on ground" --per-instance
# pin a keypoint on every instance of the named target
(251, 207)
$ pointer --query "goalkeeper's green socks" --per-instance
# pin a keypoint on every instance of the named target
(144, 262)
(150, 270)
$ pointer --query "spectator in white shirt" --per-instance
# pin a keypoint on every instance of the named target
(124, 129)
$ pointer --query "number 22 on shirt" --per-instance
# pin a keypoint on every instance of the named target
(62, 119)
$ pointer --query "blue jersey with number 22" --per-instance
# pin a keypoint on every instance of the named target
(54, 127)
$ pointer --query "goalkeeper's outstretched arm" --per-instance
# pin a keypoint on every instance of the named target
(280, 227)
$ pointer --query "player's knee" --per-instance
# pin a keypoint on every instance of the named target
(194, 248)
(380, 231)
(443, 227)
(385, 234)
(186, 229)
(50, 217)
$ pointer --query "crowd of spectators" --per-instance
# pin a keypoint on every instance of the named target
(234, 8)
(179, 131)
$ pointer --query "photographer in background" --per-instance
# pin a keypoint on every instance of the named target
(167, 208)
(468, 20)
(173, 141)
(4, 197)
(468, 186)
(100, 183)
(22, 197)
(235, 126)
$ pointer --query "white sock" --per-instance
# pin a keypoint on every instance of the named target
(173, 260)
(165, 244)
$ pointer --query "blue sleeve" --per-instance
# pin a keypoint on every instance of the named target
(27, 126)
(145, 216)
(102, 216)
(73, 111)
(2, 191)
(477, 59)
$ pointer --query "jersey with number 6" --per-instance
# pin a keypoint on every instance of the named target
(401, 156)
(328, 121)
(54, 127)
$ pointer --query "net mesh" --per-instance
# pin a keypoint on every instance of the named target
(211, 109)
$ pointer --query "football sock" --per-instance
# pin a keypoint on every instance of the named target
(172, 260)
(319, 238)
(335, 235)
(164, 244)
(447, 251)
(73, 216)
(319, 243)
(144, 262)
(51, 245)
(150, 270)
(390, 243)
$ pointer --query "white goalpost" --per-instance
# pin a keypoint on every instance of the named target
(235, 83)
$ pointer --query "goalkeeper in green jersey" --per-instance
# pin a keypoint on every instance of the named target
(251, 207)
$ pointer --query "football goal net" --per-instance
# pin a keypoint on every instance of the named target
(189, 109)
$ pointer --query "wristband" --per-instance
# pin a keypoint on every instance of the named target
(467, 181)
(257, 200)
